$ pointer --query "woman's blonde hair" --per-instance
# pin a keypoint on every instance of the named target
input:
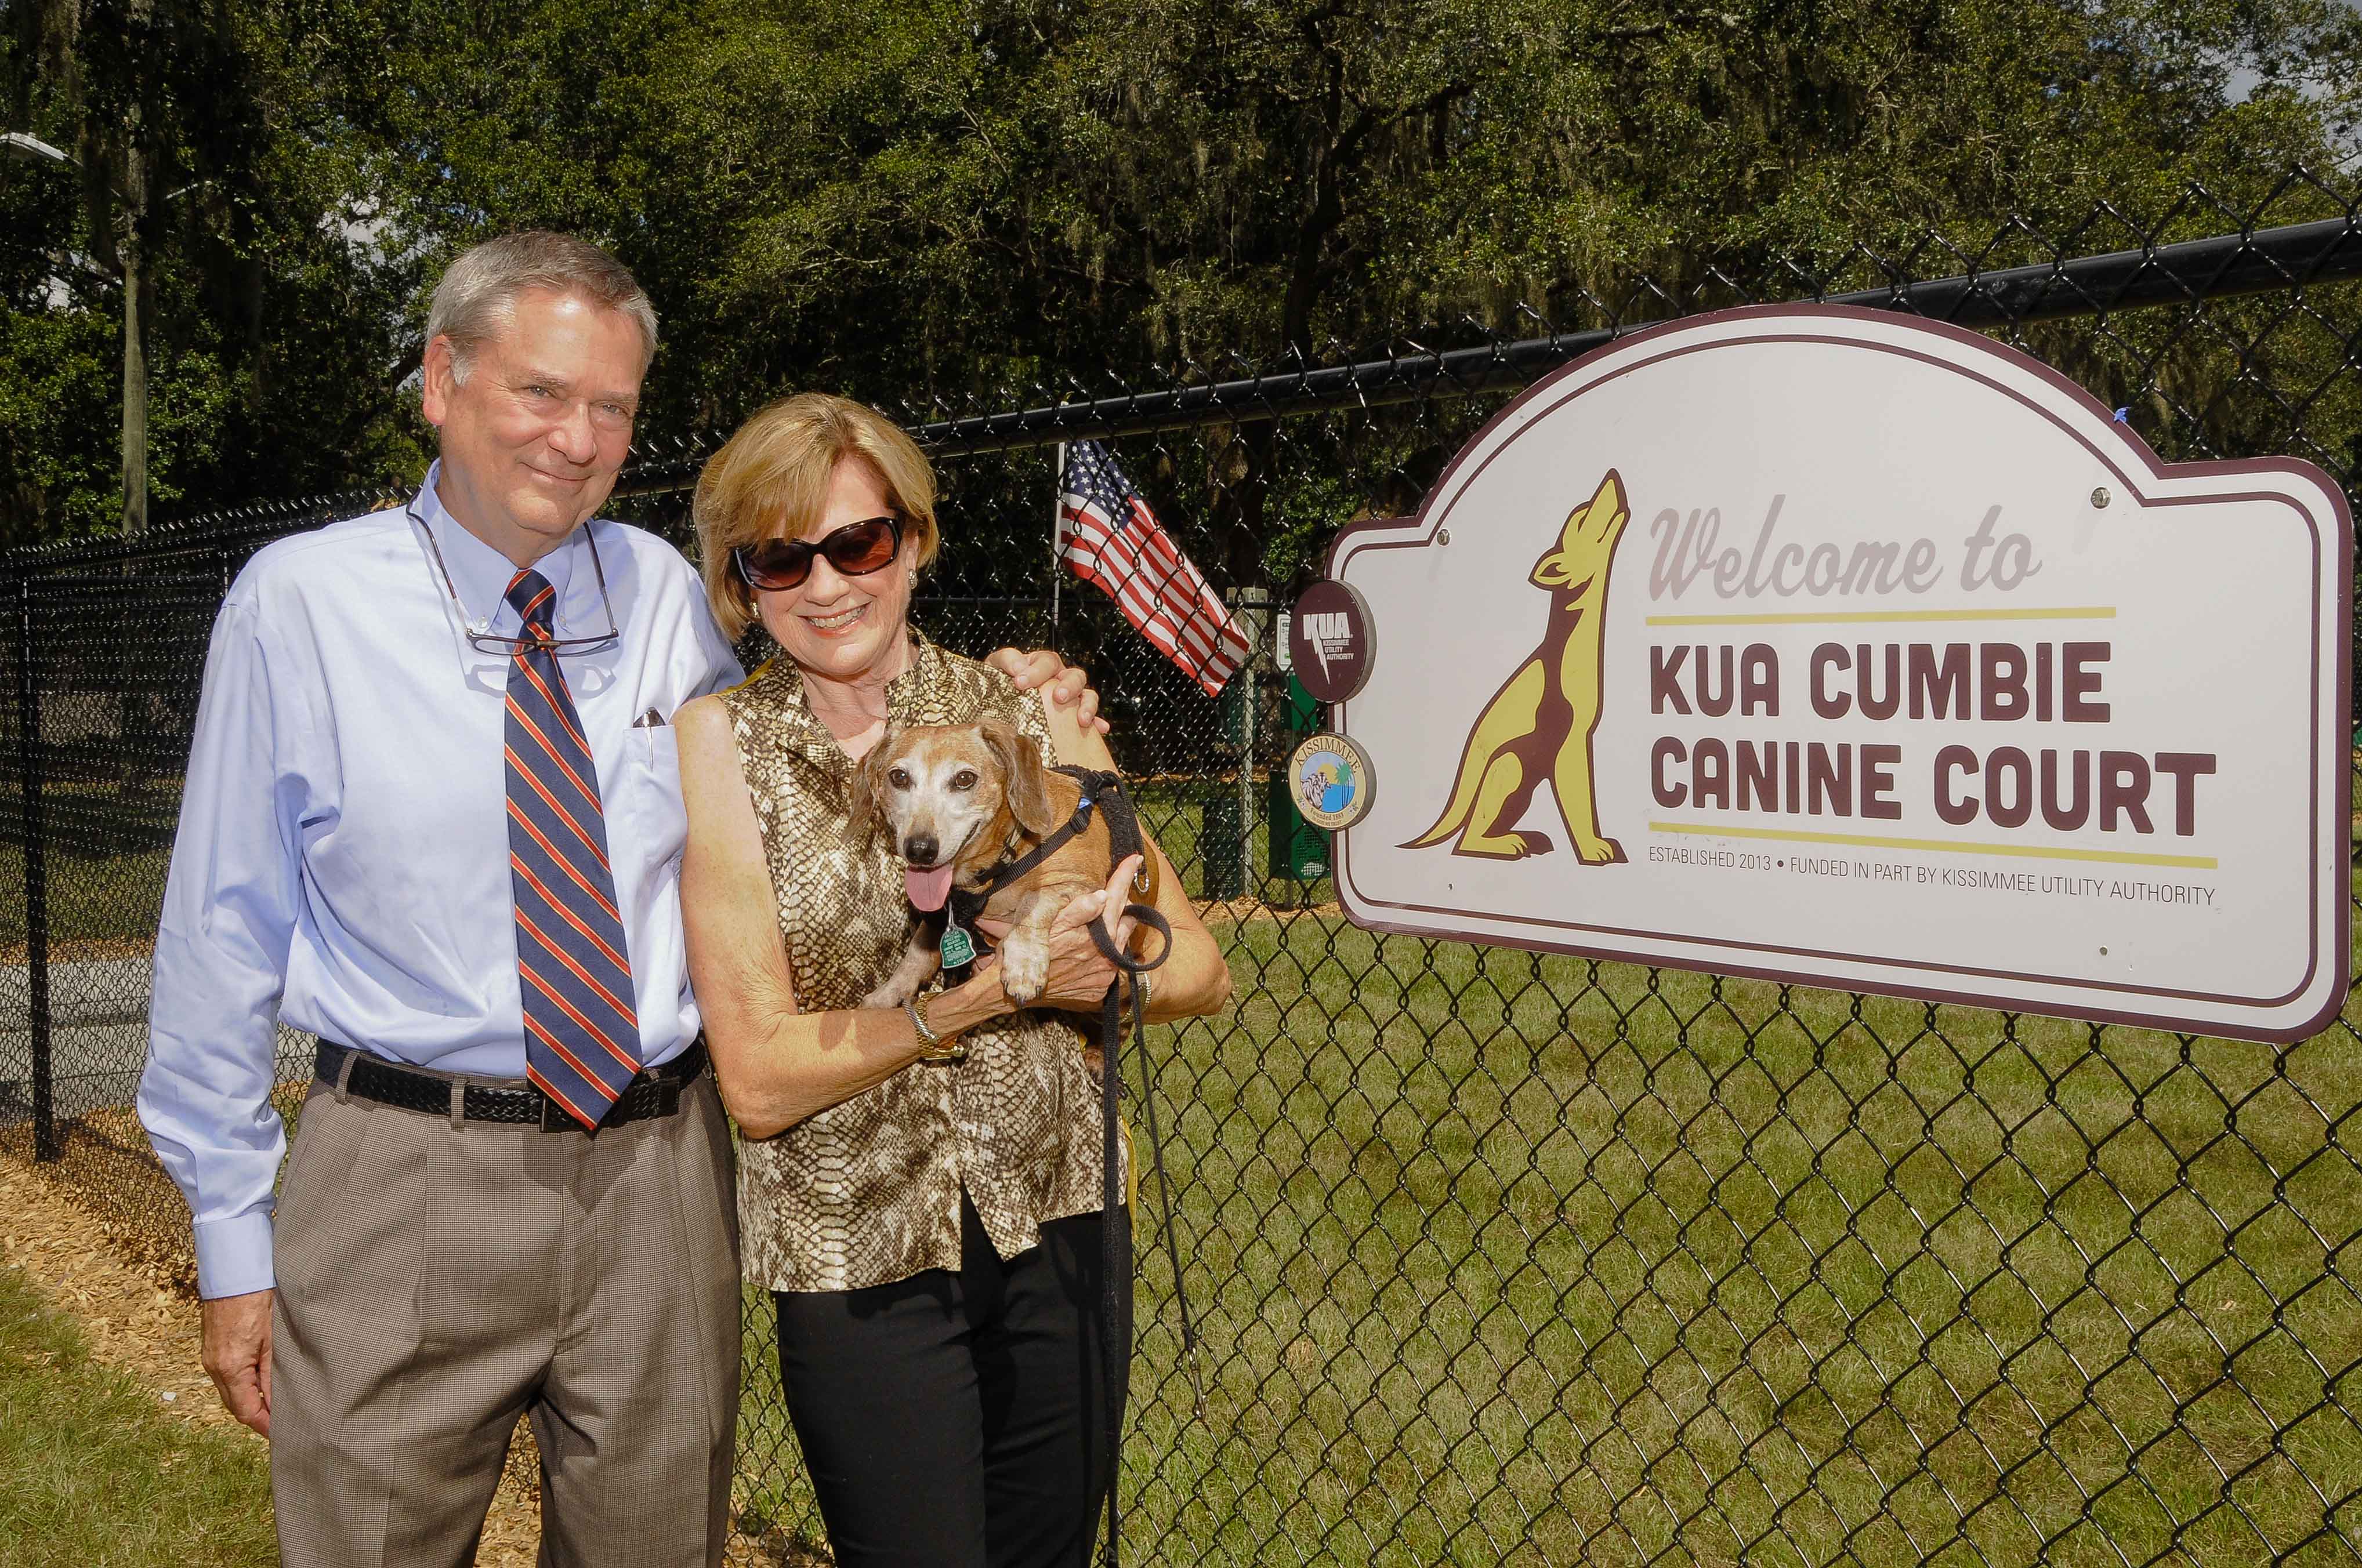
(770, 481)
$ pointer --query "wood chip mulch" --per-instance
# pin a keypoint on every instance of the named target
(143, 1325)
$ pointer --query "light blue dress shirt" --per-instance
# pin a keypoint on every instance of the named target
(343, 856)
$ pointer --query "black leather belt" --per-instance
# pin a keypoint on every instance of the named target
(655, 1092)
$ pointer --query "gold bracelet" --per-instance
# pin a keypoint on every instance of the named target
(931, 1046)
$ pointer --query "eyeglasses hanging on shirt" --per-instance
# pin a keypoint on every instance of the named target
(484, 639)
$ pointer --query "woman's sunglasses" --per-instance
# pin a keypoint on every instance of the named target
(855, 549)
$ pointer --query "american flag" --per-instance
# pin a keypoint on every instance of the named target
(1112, 539)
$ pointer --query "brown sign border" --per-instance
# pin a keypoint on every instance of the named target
(2340, 547)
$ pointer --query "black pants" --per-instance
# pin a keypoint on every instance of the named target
(958, 1420)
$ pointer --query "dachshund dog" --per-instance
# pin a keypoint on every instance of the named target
(960, 802)
(1539, 724)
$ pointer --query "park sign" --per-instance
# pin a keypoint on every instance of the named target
(1835, 646)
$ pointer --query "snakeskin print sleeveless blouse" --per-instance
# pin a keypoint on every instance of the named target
(867, 1192)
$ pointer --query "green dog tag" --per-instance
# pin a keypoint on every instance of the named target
(957, 948)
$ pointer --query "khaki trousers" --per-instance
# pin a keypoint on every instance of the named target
(435, 1279)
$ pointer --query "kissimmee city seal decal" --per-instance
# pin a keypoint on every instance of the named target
(1333, 782)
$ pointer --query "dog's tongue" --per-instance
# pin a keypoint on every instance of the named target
(928, 888)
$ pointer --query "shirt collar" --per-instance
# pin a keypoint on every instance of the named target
(801, 731)
(916, 683)
(481, 574)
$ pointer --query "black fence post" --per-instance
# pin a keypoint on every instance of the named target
(1222, 841)
(36, 880)
(1224, 844)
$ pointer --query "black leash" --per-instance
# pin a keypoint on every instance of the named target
(1124, 840)
(1105, 792)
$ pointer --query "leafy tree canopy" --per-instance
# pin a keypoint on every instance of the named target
(950, 198)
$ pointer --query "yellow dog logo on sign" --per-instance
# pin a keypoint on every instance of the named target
(1539, 725)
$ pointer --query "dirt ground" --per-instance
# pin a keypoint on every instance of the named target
(135, 1322)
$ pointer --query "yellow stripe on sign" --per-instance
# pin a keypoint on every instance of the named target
(1867, 617)
(1943, 846)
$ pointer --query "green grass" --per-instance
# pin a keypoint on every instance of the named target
(1505, 1257)
(97, 1475)
(1509, 1256)
(110, 846)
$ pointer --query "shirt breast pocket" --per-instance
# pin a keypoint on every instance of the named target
(651, 794)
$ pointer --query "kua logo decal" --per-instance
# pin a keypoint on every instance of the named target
(1328, 635)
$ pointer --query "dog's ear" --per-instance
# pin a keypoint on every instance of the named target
(1027, 781)
(865, 813)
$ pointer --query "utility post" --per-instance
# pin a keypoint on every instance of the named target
(134, 332)
(131, 249)
(134, 300)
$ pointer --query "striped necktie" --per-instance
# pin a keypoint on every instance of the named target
(583, 1035)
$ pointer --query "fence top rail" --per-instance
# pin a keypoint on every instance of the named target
(2221, 266)
(2216, 268)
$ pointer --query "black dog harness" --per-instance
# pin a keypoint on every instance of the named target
(1104, 791)
(965, 905)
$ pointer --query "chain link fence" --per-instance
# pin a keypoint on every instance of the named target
(1500, 1257)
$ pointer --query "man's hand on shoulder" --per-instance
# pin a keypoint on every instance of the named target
(237, 1355)
(1061, 682)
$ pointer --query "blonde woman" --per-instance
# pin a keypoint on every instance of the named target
(928, 1221)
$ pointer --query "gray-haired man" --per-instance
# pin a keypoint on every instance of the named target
(433, 816)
